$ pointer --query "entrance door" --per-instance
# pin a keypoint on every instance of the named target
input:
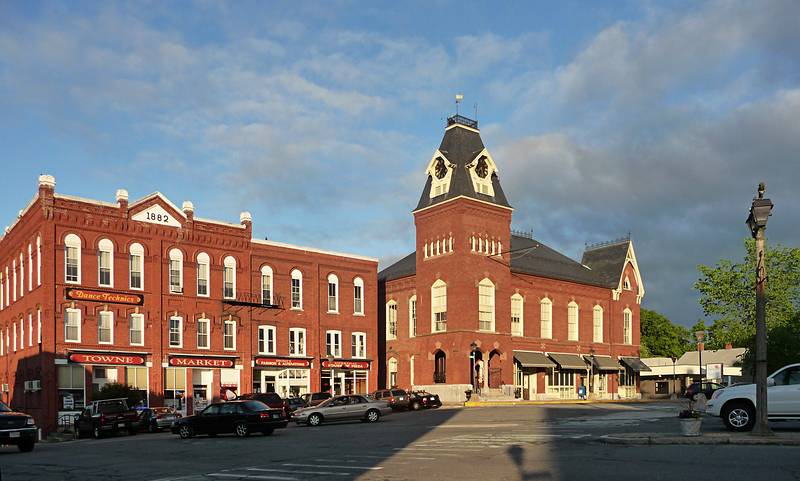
(495, 370)
(201, 388)
(268, 381)
(439, 373)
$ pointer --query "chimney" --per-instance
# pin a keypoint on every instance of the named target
(188, 209)
(122, 199)
(47, 183)
(246, 220)
(728, 345)
(47, 190)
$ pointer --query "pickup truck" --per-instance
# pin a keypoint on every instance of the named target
(106, 416)
(736, 405)
(17, 429)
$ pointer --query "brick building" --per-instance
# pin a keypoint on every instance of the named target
(182, 308)
(479, 307)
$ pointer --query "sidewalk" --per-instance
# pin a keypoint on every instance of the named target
(779, 439)
(520, 402)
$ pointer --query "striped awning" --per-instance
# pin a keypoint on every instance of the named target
(568, 361)
(532, 359)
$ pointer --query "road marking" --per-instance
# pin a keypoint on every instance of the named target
(475, 426)
(328, 460)
(331, 466)
(251, 476)
(294, 471)
(386, 457)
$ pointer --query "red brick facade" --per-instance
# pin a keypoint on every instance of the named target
(35, 372)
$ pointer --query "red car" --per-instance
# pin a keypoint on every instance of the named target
(270, 399)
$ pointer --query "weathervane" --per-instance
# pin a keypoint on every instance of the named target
(459, 98)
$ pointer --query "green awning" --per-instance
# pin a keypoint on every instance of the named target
(532, 359)
(604, 363)
(634, 363)
(568, 361)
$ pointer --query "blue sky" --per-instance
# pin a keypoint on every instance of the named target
(657, 118)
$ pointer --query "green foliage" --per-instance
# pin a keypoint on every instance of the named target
(660, 337)
(115, 390)
(783, 346)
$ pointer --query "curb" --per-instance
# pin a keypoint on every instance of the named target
(698, 440)
(554, 401)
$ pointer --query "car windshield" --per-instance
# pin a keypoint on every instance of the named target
(4, 408)
(326, 402)
(111, 407)
(255, 406)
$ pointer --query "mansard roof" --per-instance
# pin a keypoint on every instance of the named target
(460, 145)
(407, 266)
(607, 262)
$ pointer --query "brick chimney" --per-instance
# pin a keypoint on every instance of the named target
(246, 220)
(122, 200)
(47, 190)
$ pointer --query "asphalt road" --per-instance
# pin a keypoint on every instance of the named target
(493, 443)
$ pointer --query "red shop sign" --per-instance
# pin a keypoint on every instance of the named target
(104, 296)
(116, 359)
(200, 362)
(346, 364)
(275, 362)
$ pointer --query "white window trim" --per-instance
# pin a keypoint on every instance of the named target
(595, 331)
(358, 282)
(337, 335)
(296, 274)
(205, 260)
(21, 275)
(30, 267)
(175, 255)
(412, 316)
(292, 334)
(627, 327)
(72, 240)
(266, 330)
(38, 260)
(517, 297)
(207, 323)
(267, 271)
(100, 316)
(363, 340)
(229, 263)
(332, 279)
(78, 312)
(38, 326)
(549, 321)
(140, 318)
(389, 305)
(577, 309)
(486, 282)
(438, 283)
(136, 250)
(225, 324)
(30, 329)
(180, 332)
(105, 246)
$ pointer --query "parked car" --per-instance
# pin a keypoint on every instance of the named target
(271, 399)
(342, 408)
(314, 398)
(736, 405)
(240, 417)
(396, 398)
(708, 389)
(295, 403)
(17, 429)
(423, 399)
(155, 419)
(107, 416)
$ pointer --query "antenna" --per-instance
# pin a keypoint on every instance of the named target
(476, 110)
(459, 98)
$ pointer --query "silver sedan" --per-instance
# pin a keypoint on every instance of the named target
(341, 408)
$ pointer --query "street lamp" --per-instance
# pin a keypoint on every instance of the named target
(672, 384)
(760, 211)
(472, 348)
(700, 336)
(330, 359)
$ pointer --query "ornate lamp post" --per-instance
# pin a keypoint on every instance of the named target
(760, 211)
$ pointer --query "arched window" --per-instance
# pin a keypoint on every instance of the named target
(627, 326)
(517, 327)
(30, 267)
(391, 320)
(105, 263)
(72, 260)
(626, 284)
(203, 263)
(412, 316)
(392, 381)
(229, 278)
(597, 323)
(175, 271)
(38, 260)
(266, 285)
(136, 266)
(21, 276)
(546, 316)
(358, 296)
(333, 293)
(486, 305)
(297, 289)
(439, 306)
(440, 367)
(572, 321)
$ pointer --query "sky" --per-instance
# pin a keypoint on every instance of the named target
(654, 118)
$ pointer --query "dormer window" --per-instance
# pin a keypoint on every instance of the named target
(440, 171)
(626, 284)
(480, 171)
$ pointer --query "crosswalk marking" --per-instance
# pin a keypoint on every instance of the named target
(302, 465)
(294, 471)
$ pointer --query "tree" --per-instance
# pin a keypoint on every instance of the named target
(660, 337)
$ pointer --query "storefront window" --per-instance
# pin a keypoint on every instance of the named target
(71, 382)
(175, 387)
(344, 381)
(136, 377)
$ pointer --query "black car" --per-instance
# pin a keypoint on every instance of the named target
(271, 399)
(238, 417)
(423, 399)
(155, 419)
(708, 389)
(17, 429)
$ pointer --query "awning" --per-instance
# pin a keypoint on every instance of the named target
(532, 359)
(604, 363)
(568, 361)
(634, 363)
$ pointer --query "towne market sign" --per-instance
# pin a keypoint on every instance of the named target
(113, 359)
(74, 294)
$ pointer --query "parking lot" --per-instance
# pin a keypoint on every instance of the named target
(497, 443)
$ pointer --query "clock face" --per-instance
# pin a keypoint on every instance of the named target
(482, 169)
(440, 169)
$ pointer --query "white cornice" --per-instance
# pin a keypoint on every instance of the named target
(463, 197)
(311, 249)
(158, 195)
(462, 127)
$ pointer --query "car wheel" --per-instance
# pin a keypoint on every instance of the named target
(314, 419)
(372, 416)
(186, 432)
(415, 406)
(97, 433)
(268, 431)
(241, 430)
(26, 446)
(739, 416)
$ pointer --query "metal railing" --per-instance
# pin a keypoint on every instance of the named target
(461, 120)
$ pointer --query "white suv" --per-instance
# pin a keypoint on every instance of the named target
(736, 404)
